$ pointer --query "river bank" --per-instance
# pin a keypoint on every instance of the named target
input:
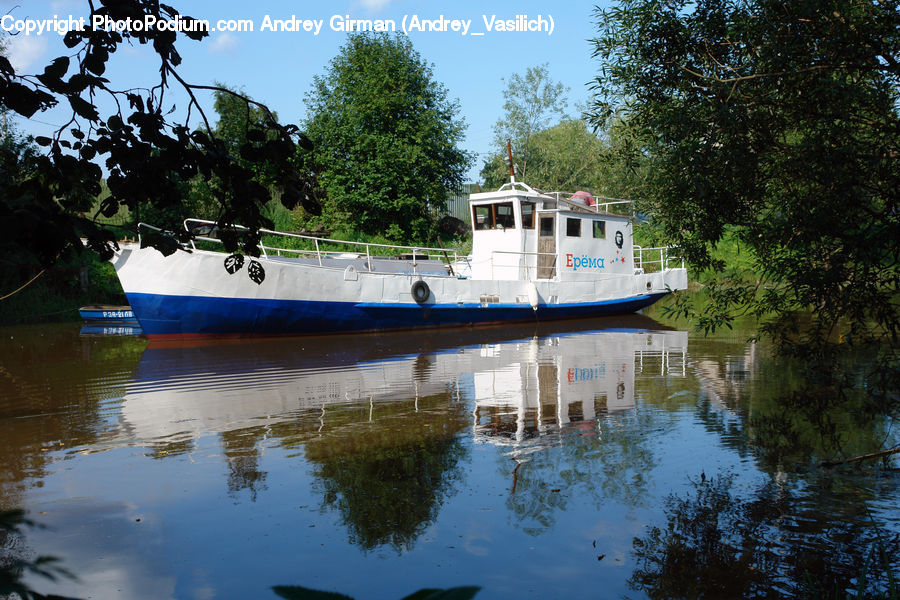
(56, 293)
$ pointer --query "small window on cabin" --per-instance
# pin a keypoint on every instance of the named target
(528, 215)
(546, 226)
(573, 227)
(600, 230)
(483, 217)
(504, 216)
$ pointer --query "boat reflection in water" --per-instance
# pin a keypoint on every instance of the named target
(517, 383)
(110, 329)
(527, 391)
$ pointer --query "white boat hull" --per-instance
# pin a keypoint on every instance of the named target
(191, 294)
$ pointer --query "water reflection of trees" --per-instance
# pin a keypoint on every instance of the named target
(388, 479)
(602, 460)
(49, 371)
(242, 454)
(784, 416)
(806, 532)
(829, 417)
(777, 543)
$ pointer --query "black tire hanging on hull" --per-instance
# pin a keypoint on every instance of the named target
(420, 292)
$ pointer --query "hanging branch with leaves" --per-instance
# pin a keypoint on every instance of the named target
(147, 146)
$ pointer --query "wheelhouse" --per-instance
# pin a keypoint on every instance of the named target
(521, 233)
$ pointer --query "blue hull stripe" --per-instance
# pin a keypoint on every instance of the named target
(196, 315)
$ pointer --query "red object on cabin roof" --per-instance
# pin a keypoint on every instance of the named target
(582, 196)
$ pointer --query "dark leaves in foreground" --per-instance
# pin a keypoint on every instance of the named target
(234, 263)
(14, 564)
(256, 272)
(149, 149)
(165, 241)
(302, 593)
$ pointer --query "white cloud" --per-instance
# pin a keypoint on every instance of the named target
(25, 50)
(375, 5)
(223, 43)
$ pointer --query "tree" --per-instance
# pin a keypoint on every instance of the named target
(532, 103)
(238, 117)
(569, 156)
(776, 122)
(4, 112)
(16, 151)
(148, 153)
(385, 137)
(240, 121)
(18, 155)
(388, 483)
(565, 156)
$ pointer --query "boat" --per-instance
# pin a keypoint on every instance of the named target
(535, 257)
(104, 313)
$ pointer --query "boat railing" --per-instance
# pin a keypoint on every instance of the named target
(646, 260)
(602, 204)
(323, 249)
(650, 260)
(526, 268)
(668, 361)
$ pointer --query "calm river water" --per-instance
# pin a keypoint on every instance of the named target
(570, 460)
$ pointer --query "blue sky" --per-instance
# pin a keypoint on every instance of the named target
(277, 67)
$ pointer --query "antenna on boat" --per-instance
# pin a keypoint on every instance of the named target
(512, 168)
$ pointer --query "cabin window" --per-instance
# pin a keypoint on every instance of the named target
(573, 227)
(494, 216)
(528, 215)
(504, 216)
(600, 230)
(483, 218)
(546, 226)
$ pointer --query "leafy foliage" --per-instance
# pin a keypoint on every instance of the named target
(385, 137)
(776, 121)
(569, 157)
(532, 102)
(563, 157)
(240, 122)
(148, 156)
(553, 151)
(242, 126)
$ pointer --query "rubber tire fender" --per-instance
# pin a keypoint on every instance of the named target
(420, 292)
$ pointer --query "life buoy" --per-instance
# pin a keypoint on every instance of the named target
(420, 292)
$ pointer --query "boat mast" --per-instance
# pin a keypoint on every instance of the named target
(512, 168)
